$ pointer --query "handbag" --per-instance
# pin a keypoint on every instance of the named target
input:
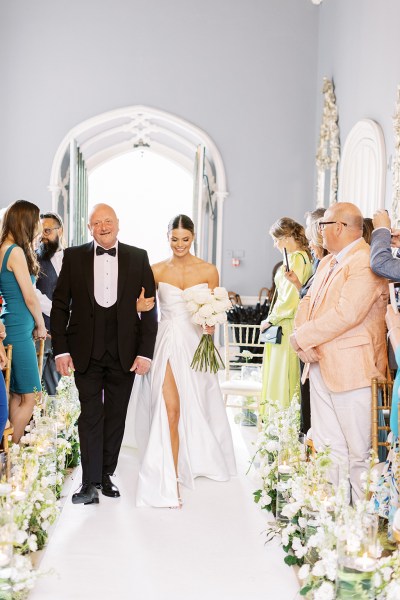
(272, 335)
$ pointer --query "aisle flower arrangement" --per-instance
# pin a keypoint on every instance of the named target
(29, 499)
(336, 546)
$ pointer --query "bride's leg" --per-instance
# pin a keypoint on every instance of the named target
(172, 404)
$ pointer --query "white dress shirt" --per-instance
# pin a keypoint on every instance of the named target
(105, 277)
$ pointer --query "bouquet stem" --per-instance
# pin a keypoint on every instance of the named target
(207, 356)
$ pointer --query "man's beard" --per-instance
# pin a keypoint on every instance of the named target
(48, 249)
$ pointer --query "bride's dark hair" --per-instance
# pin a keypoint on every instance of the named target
(181, 222)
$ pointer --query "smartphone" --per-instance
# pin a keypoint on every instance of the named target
(394, 291)
(285, 259)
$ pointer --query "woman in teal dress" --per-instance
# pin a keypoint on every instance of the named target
(21, 312)
(281, 369)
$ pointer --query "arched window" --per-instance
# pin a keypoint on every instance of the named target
(98, 140)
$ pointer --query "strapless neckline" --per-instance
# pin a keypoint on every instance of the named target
(180, 289)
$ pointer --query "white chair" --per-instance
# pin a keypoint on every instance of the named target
(239, 339)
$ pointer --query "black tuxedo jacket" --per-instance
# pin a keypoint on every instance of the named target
(72, 314)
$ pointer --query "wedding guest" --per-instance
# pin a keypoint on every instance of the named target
(314, 238)
(340, 334)
(21, 311)
(368, 228)
(3, 392)
(50, 255)
(383, 239)
(281, 371)
(181, 424)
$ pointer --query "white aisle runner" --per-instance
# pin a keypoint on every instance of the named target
(212, 549)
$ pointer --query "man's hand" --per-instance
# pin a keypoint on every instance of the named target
(140, 366)
(64, 365)
(294, 343)
(309, 356)
(381, 219)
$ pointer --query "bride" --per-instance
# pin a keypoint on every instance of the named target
(182, 429)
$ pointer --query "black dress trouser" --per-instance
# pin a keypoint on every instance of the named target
(104, 392)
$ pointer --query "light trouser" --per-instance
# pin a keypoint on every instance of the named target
(342, 420)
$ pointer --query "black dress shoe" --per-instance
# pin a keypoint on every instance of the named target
(86, 495)
(108, 488)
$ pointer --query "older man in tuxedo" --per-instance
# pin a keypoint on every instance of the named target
(97, 333)
(340, 334)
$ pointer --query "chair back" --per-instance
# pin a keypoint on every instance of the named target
(381, 404)
(241, 346)
(40, 355)
(7, 370)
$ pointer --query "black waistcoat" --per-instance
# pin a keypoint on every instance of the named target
(105, 338)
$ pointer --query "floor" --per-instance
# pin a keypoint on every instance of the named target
(212, 549)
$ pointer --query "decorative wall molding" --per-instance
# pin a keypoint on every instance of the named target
(328, 153)
(396, 163)
(363, 167)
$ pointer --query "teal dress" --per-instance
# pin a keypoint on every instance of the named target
(19, 327)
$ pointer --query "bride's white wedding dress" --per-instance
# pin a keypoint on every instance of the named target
(205, 442)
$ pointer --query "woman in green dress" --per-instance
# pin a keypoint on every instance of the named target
(281, 370)
(21, 312)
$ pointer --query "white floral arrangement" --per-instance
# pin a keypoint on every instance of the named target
(208, 308)
(315, 521)
(30, 497)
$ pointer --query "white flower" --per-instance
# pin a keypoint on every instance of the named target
(192, 306)
(220, 318)
(318, 569)
(272, 446)
(206, 310)
(211, 321)
(304, 572)
(324, 592)
(220, 293)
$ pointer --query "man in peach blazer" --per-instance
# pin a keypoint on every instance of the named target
(340, 335)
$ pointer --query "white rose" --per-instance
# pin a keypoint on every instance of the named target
(198, 320)
(220, 318)
(192, 306)
(211, 321)
(220, 293)
(206, 310)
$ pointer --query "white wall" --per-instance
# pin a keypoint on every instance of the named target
(242, 70)
(359, 47)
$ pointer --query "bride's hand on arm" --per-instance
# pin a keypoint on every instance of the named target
(144, 304)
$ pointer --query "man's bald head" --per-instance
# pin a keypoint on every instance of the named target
(103, 225)
(345, 226)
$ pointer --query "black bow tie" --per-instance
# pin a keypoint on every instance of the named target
(100, 250)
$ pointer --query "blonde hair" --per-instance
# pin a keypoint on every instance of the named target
(287, 227)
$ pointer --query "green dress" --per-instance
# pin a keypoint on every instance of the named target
(281, 369)
(19, 327)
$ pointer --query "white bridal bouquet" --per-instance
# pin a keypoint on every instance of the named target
(208, 308)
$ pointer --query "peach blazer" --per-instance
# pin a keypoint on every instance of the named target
(347, 325)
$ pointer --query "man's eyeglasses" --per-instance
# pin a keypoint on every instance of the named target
(48, 230)
(322, 224)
